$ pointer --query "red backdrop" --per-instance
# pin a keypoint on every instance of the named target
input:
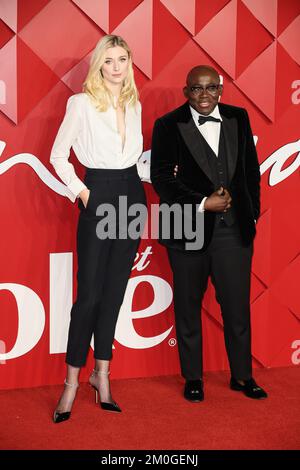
(45, 49)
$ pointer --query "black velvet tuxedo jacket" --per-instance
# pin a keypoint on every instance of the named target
(177, 141)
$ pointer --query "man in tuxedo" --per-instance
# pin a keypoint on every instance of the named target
(218, 174)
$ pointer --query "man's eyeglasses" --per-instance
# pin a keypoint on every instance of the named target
(211, 89)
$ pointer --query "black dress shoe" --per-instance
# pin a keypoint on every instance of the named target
(250, 388)
(193, 390)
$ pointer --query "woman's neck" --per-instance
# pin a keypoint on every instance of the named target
(114, 89)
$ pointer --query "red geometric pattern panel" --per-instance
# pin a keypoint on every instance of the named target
(45, 49)
(8, 12)
(5, 34)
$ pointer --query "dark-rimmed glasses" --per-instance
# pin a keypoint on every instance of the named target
(211, 89)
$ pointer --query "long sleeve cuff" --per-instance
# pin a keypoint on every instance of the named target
(75, 187)
(201, 205)
(143, 168)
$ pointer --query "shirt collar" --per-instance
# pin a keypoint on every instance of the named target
(215, 113)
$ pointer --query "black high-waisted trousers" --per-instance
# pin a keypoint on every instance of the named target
(104, 265)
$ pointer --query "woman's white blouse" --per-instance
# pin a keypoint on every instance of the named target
(95, 139)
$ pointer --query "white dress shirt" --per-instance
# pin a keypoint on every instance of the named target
(211, 132)
(95, 139)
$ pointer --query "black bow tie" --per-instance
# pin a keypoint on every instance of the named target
(204, 119)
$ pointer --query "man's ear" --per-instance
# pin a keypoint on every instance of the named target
(220, 92)
(185, 91)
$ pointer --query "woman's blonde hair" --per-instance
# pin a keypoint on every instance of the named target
(94, 84)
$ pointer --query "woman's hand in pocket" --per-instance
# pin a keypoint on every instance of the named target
(84, 196)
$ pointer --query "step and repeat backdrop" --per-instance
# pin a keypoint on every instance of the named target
(45, 48)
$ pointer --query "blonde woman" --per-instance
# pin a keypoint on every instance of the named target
(103, 125)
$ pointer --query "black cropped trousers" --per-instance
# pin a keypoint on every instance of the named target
(104, 264)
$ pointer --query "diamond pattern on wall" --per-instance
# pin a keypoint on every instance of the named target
(118, 11)
(205, 11)
(137, 31)
(28, 9)
(261, 72)
(257, 288)
(226, 38)
(286, 287)
(142, 30)
(283, 253)
(30, 89)
(107, 14)
(218, 38)
(8, 67)
(265, 12)
(286, 70)
(285, 355)
(5, 34)
(161, 36)
(290, 39)
(8, 13)
(97, 11)
(288, 10)
(76, 76)
(184, 12)
(78, 38)
(20, 69)
(163, 93)
(251, 38)
(275, 328)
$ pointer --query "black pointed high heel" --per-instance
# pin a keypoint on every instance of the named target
(104, 405)
(65, 415)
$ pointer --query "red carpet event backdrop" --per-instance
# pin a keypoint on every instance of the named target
(44, 56)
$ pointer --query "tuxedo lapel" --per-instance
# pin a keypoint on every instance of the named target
(195, 143)
(192, 138)
(230, 130)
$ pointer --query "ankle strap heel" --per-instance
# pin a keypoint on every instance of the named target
(100, 372)
(58, 416)
(70, 385)
(108, 406)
